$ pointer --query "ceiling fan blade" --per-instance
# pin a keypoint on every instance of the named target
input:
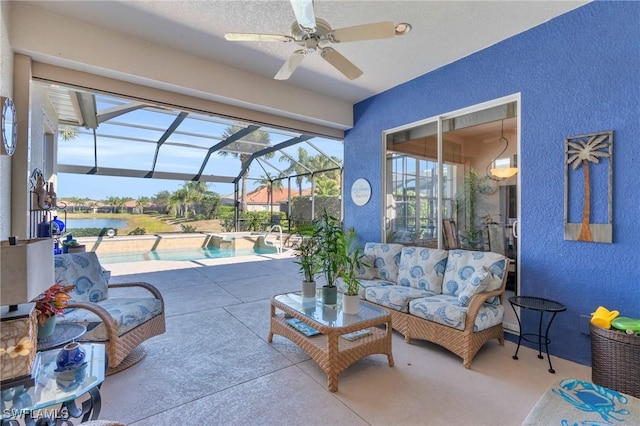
(341, 63)
(303, 9)
(373, 31)
(292, 63)
(257, 37)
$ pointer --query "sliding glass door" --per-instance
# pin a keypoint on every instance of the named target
(447, 183)
(412, 187)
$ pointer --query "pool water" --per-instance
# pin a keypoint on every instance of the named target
(178, 254)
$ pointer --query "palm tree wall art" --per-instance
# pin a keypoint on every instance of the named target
(591, 157)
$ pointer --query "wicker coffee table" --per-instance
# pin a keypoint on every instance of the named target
(332, 352)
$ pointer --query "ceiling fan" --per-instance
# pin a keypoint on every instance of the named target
(316, 35)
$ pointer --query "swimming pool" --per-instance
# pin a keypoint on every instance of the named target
(180, 254)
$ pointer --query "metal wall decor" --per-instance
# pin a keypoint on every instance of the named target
(588, 182)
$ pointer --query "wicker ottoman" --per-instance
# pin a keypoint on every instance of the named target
(615, 360)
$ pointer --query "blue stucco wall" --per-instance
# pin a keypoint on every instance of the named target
(578, 73)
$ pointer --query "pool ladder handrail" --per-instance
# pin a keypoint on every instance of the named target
(279, 246)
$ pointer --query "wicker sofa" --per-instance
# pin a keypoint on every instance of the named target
(451, 298)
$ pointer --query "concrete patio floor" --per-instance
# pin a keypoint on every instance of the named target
(214, 366)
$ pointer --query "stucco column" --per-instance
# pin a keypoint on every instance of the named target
(20, 162)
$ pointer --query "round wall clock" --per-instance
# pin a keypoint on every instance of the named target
(9, 126)
(360, 192)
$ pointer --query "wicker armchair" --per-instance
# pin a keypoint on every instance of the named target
(121, 323)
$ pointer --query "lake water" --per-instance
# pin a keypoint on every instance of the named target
(96, 223)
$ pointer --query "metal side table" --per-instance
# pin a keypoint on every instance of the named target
(541, 305)
(56, 397)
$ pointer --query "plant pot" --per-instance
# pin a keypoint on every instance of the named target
(329, 295)
(46, 330)
(308, 289)
(351, 304)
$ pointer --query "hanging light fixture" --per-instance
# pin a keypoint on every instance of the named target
(499, 173)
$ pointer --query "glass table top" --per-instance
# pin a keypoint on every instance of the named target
(53, 388)
(328, 315)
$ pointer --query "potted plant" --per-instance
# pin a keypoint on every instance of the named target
(332, 253)
(308, 261)
(50, 303)
(351, 298)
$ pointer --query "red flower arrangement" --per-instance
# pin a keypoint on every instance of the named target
(53, 301)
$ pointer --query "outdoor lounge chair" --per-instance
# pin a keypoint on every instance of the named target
(121, 323)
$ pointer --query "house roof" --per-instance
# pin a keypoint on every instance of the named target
(261, 195)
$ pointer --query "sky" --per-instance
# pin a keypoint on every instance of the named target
(130, 141)
(103, 187)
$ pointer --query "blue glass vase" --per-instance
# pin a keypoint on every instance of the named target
(57, 226)
(70, 357)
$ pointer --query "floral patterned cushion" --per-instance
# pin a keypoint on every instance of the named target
(477, 283)
(342, 288)
(85, 272)
(422, 268)
(386, 259)
(367, 271)
(396, 297)
(128, 312)
(461, 265)
(445, 309)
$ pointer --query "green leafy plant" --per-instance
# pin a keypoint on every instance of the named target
(188, 229)
(308, 260)
(138, 231)
(332, 247)
(354, 262)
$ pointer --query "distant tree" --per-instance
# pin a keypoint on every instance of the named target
(177, 202)
(82, 203)
(321, 162)
(161, 200)
(93, 205)
(142, 202)
(112, 202)
(243, 149)
(195, 192)
(120, 203)
(326, 187)
(210, 204)
(297, 166)
(270, 185)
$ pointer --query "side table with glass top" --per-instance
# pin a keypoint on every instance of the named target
(35, 404)
(62, 334)
(541, 305)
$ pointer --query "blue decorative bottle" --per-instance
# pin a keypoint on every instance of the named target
(44, 228)
(57, 226)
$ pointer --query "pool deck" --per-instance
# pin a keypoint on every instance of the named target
(214, 365)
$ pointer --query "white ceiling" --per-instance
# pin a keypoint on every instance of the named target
(443, 31)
